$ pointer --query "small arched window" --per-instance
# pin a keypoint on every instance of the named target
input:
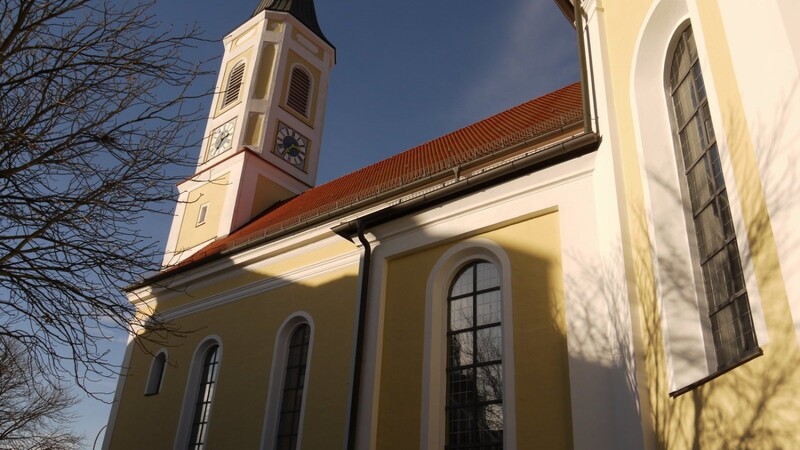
(299, 90)
(156, 374)
(474, 407)
(294, 378)
(205, 394)
(234, 85)
(715, 247)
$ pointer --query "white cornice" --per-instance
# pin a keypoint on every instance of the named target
(319, 236)
(267, 284)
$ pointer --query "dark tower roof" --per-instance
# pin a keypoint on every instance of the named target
(302, 10)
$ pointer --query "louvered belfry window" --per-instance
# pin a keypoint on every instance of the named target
(234, 85)
(299, 90)
(715, 243)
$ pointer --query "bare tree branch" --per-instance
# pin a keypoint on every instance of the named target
(92, 118)
(33, 413)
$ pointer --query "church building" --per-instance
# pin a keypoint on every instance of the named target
(613, 265)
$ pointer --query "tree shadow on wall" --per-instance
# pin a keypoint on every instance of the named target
(755, 405)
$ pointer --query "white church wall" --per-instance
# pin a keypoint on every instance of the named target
(764, 44)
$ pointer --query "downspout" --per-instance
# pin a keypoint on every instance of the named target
(587, 116)
(352, 426)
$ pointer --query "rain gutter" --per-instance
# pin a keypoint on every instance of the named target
(564, 151)
(587, 117)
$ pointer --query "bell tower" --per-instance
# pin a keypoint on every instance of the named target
(264, 128)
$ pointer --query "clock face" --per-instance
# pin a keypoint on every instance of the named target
(221, 139)
(291, 146)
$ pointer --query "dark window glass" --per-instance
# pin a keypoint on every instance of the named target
(205, 394)
(299, 90)
(156, 374)
(293, 385)
(720, 265)
(474, 411)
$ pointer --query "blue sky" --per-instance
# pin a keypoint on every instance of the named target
(407, 72)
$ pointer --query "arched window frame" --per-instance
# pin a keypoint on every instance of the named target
(277, 375)
(158, 369)
(717, 198)
(688, 349)
(235, 76)
(193, 385)
(291, 85)
(434, 389)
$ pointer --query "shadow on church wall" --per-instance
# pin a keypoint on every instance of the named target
(247, 329)
(754, 406)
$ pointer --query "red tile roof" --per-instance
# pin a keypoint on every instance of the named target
(528, 120)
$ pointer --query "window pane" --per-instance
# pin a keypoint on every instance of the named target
(709, 230)
(680, 64)
(491, 419)
(693, 141)
(487, 276)
(460, 313)
(686, 102)
(461, 387)
(701, 186)
(489, 308)
(461, 349)
(490, 344)
(490, 383)
(733, 331)
(459, 429)
(463, 284)
(691, 47)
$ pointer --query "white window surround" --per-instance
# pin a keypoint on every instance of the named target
(158, 370)
(192, 385)
(434, 391)
(277, 371)
(686, 327)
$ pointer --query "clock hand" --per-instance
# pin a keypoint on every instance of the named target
(222, 140)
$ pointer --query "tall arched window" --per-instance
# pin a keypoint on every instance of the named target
(234, 85)
(294, 377)
(715, 247)
(474, 409)
(299, 90)
(205, 394)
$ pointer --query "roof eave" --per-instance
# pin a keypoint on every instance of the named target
(574, 147)
(568, 8)
(571, 148)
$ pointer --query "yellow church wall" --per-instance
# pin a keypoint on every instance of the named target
(754, 405)
(213, 194)
(285, 264)
(247, 57)
(247, 329)
(265, 68)
(542, 396)
(267, 193)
